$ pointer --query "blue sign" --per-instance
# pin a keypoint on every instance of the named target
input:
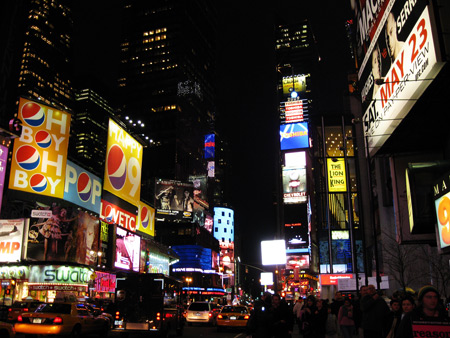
(82, 188)
(210, 145)
(294, 136)
(193, 256)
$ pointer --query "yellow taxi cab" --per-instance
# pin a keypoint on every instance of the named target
(7, 330)
(62, 318)
(232, 316)
(19, 307)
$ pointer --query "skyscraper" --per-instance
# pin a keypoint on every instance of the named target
(165, 81)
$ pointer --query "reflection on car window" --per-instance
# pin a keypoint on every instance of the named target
(54, 308)
(199, 307)
(234, 309)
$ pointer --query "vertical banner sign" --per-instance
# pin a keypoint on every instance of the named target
(123, 165)
(39, 155)
(82, 188)
(146, 219)
(337, 181)
(3, 164)
(11, 239)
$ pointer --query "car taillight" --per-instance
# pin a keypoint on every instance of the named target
(19, 318)
(220, 316)
(25, 310)
(57, 320)
(247, 317)
(210, 314)
(9, 310)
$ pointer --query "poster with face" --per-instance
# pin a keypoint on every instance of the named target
(69, 235)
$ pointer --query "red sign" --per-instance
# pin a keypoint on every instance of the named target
(332, 279)
(293, 111)
(431, 329)
(112, 214)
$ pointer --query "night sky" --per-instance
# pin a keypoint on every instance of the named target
(246, 87)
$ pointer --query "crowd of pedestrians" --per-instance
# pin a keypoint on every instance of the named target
(367, 315)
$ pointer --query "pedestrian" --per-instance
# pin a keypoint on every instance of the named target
(357, 312)
(331, 330)
(408, 304)
(260, 322)
(429, 311)
(308, 314)
(394, 317)
(345, 319)
(283, 318)
(375, 314)
(338, 301)
(319, 321)
(297, 310)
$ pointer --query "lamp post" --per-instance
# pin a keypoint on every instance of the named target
(188, 281)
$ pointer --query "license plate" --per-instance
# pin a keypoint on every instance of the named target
(37, 320)
(233, 317)
(198, 314)
(118, 322)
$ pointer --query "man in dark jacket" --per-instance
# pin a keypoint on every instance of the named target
(375, 314)
(260, 323)
(427, 319)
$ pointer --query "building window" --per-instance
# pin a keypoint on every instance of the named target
(216, 229)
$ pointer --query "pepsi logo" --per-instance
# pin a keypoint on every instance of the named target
(84, 187)
(33, 114)
(145, 217)
(27, 157)
(38, 182)
(43, 139)
(109, 213)
(116, 167)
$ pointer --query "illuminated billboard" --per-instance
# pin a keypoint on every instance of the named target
(68, 235)
(128, 250)
(174, 200)
(192, 258)
(273, 252)
(297, 237)
(210, 146)
(337, 179)
(123, 165)
(146, 219)
(296, 82)
(3, 164)
(294, 185)
(293, 111)
(294, 136)
(11, 240)
(441, 191)
(297, 261)
(39, 156)
(400, 63)
(82, 188)
(113, 214)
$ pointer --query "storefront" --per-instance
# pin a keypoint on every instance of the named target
(43, 282)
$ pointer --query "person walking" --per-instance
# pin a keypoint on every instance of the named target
(297, 310)
(430, 312)
(331, 330)
(319, 323)
(394, 317)
(283, 318)
(375, 314)
(308, 314)
(260, 323)
(345, 319)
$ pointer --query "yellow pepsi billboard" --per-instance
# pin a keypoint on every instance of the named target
(146, 219)
(39, 156)
(123, 165)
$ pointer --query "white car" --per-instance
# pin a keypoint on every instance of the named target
(200, 312)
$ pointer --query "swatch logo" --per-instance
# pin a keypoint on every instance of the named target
(145, 217)
(27, 157)
(38, 182)
(116, 167)
(33, 114)
(84, 187)
(43, 139)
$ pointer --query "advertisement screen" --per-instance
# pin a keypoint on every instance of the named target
(69, 235)
(194, 257)
(293, 111)
(400, 62)
(113, 214)
(123, 165)
(294, 185)
(297, 261)
(296, 82)
(174, 200)
(201, 204)
(146, 219)
(442, 205)
(273, 252)
(128, 250)
(82, 188)
(341, 251)
(294, 136)
(11, 239)
(210, 146)
(39, 156)
(295, 159)
(337, 180)
(297, 237)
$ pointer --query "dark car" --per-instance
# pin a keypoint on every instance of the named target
(20, 307)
